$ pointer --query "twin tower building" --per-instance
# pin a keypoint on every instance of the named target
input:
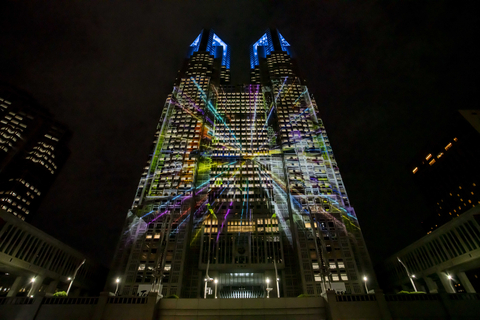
(241, 196)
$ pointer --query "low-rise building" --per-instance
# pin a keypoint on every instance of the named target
(33, 262)
(445, 260)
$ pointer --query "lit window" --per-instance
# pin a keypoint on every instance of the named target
(455, 139)
(432, 162)
(428, 157)
(415, 170)
(448, 146)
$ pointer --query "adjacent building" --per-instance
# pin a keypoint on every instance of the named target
(242, 196)
(445, 260)
(33, 262)
(33, 148)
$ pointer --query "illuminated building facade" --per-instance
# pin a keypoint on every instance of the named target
(33, 148)
(447, 171)
(242, 196)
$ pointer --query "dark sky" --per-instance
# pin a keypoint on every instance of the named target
(385, 75)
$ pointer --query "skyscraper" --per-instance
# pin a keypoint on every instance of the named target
(242, 195)
(33, 148)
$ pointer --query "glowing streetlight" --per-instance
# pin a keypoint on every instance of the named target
(117, 281)
(32, 281)
(365, 279)
(410, 276)
(74, 275)
(268, 288)
(449, 277)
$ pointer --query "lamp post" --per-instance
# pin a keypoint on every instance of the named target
(451, 285)
(31, 289)
(216, 283)
(410, 276)
(365, 279)
(268, 288)
(117, 281)
(74, 275)
(278, 288)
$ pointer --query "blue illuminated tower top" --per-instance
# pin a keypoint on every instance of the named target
(208, 41)
(271, 40)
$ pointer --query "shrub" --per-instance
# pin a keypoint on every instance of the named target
(60, 294)
(411, 292)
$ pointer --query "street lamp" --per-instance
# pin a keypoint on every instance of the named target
(268, 288)
(31, 289)
(117, 281)
(365, 280)
(410, 276)
(278, 288)
(74, 275)
(216, 282)
(451, 285)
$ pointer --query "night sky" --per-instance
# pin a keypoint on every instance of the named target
(386, 76)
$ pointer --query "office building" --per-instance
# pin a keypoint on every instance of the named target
(33, 262)
(33, 148)
(242, 196)
(446, 171)
(445, 260)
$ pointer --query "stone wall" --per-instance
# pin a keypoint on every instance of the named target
(331, 306)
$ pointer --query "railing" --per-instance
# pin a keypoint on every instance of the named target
(22, 300)
(464, 296)
(127, 300)
(411, 297)
(356, 297)
(62, 300)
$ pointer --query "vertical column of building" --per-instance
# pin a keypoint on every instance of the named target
(329, 244)
(156, 235)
